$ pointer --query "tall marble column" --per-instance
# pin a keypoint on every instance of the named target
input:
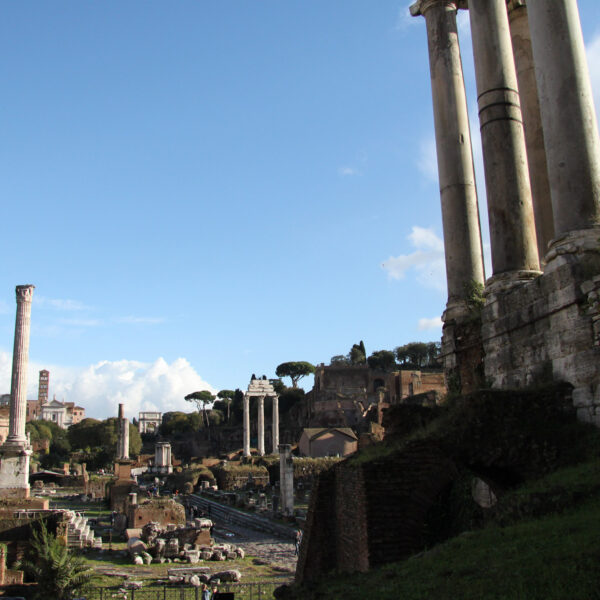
(261, 425)
(18, 391)
(458, 193)
(246, 425)
(568, 116)
(286, 479)
(532, 120)
(512, 227)
(275, 424)
(123, 435)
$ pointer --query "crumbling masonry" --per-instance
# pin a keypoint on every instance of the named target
(539, 318)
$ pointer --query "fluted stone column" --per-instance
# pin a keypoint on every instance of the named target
(512, 228)
(532, 120)
(275, 424)
(246, 425)
(568, 115)
(261, 425)
(458, 193)
(18, 392)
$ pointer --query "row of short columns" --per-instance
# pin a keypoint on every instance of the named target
(261, 424)
(538, 130)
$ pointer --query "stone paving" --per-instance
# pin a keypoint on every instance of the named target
(265, 546)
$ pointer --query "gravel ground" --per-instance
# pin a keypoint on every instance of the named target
(265, 546)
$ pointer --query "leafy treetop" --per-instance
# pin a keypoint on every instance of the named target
(295, 371)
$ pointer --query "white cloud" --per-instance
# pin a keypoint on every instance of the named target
(101, 387)
(428, 324)
(593, 58)
(143, 320)
(427, 161)
(427, 260)
(58, 303)
(347, 171)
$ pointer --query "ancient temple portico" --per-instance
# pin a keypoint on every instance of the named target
(539, 319)
(16, 450)
(261, 389)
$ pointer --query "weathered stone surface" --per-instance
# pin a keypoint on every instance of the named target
(230, 576)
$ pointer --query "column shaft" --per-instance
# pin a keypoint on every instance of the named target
(512, 228)
(568, 114)
(532, 120)
(458, 193)
(261, 425)
(275, 424)
(18, 392)
(246, 425)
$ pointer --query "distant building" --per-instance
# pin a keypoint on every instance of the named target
(43, 386)
(149, 422)
(4, 420)
(64, 414)
(323, 441)
(33, 410)
(4, 399)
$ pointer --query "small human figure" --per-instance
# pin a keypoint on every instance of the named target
(113, 515)
(215, 592)
(297, 541)
(206, 595)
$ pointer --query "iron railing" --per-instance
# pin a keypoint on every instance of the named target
(241, 591)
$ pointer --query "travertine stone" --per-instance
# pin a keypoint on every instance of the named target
(261, 425)
(568, 114)
(512, 227)
(286, 479)
(532, 120)
(18, 392)
(275, 424)
(246, 425)
(458, 193)
(123, 435)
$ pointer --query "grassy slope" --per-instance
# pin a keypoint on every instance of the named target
(552, 557)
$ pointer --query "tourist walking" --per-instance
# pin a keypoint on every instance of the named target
(206, 595)
(297, 541)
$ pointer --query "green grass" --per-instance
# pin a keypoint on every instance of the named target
(551, 557)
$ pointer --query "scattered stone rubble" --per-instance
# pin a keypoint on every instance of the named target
(189, 544)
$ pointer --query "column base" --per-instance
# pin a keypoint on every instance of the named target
(14, 471)
(503, 282)
(569, 246)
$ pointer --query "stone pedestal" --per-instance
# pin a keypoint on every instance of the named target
(286, 479)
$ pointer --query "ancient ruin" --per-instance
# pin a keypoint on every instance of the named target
(123, 435)
(16, 450)
(539, 317)
(261, 389)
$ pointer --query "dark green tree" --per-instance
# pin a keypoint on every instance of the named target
(58, 573)
(226, 398)
(358, 354)
(339, 360)
(295, 371)
(201, 399)
(382, 360)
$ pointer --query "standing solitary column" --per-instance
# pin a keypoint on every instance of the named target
(458, 193)
(18, 391)
(568, 114)
(532, 121)
(246, 425)
(512, 229)
(261, 425)
(123, 435)
(275, 424)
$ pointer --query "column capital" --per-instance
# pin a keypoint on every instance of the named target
(24, 292)
(422, 6)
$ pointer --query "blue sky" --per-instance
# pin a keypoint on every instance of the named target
(200, 191)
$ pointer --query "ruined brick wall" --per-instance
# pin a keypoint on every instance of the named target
(318, 549)
(159, 511)
(351, 539)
